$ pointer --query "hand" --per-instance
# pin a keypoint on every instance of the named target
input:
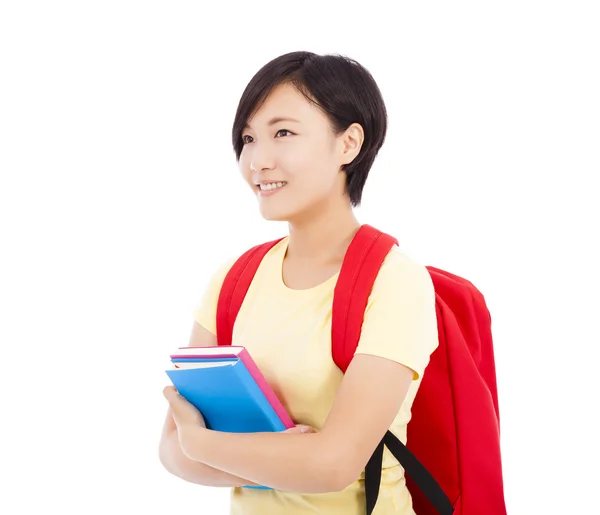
(187, 418)
(300, 428)
(184, 412)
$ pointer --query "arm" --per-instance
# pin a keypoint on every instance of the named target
(170, 453)
(319, 462)
(178, 464)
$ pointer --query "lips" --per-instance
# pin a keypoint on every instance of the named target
(271, 185)
(268, 189)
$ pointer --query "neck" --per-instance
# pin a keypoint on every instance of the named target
(323, 238)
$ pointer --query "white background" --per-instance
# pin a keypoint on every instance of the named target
(119, 195)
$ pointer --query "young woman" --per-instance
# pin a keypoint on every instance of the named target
(307, 130)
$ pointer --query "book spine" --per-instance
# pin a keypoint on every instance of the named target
(265, 388)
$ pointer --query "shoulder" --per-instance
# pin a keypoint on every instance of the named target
(398, 259)
(205, 311)
(400, 320)
(402, 277)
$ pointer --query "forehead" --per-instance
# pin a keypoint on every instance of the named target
(285, 103)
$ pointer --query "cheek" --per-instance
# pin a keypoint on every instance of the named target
(318, 166)
(304, 161)
(244, 167)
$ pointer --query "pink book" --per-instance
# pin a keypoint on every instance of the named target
(241, 353)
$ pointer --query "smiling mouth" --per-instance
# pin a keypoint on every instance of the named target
(271, 186)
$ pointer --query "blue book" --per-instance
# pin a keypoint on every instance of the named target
(226, 394)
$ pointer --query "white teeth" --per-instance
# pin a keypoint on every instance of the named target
(271, 186)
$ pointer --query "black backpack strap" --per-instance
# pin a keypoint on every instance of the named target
(373, 478)
(413, 468)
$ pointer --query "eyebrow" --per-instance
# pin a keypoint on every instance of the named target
(276, 119)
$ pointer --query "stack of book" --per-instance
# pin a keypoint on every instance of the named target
(227, 387)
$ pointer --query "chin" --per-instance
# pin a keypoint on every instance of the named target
(274, 214)
(274, 217)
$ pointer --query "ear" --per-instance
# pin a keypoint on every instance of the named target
(352, 141)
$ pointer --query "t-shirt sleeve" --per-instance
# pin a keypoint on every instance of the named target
(400, 321)
(205, 312)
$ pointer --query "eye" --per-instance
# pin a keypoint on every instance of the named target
(284, 130)
(247, 139)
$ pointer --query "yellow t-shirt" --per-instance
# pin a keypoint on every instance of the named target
(288, 333)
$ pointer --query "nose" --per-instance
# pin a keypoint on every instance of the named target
(262, 158)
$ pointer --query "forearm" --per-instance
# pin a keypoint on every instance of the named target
(192, 471)
(289, 462)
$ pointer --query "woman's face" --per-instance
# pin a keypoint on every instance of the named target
(291, 158)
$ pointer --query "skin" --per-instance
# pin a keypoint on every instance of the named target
(308, 157)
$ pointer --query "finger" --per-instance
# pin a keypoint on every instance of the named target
(182, 411)
(170, 393)
(175, 400)
(300, 429)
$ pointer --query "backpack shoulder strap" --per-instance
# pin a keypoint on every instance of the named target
(360, 268)
(234, 289)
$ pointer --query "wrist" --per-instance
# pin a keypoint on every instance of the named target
(191, 439)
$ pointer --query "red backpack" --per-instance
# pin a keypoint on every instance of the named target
(453, 435)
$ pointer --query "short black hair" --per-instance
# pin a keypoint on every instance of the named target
(344, 90)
